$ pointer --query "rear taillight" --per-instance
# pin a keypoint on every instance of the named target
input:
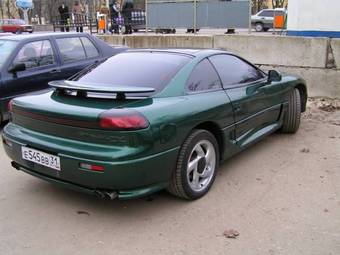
(96, 168)
(122, 119)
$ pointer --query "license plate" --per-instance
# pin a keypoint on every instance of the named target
(41, 158)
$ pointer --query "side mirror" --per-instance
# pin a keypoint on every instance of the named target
(274, 75)
(17, 68)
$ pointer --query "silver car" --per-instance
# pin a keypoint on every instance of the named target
(264, 20)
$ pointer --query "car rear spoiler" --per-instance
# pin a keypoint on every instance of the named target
(82, 88)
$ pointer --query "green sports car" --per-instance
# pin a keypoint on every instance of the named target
(145, 120)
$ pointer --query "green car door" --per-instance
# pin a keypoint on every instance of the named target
(256, 111)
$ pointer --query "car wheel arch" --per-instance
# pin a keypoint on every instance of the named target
(215, 130)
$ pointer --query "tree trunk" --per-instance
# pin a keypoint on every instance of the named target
(1, 9)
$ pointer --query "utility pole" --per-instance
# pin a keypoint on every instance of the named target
(146, 17)
(195, 16)
(249, 21)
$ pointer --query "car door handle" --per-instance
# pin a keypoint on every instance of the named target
(55, 71)
(237, 108)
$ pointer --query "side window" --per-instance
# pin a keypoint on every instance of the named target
(90, 49)
(234, 71)
(71, 49)
(35, 54)
(279, 13)
(267, 14)
(203, 78)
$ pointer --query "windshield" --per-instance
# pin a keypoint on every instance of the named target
(137, 69)
(6, 48)
(19, 22)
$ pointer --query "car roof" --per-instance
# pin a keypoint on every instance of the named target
(186, 51)
(276, 9)
(37, 36)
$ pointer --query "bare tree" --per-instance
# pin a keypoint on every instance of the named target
(278, 3)
(10, 8)
(1, 9)
(258, 5)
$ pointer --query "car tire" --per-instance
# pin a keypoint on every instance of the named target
(291, 121)
(192, 181)
(259, 27)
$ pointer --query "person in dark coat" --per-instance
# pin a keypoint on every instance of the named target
(64, 17)
(127, 10)
(114, 14)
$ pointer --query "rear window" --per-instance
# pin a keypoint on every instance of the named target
(137, 69)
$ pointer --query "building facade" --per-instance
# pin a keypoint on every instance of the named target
(319, 18)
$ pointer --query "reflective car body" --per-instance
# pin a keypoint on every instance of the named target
(15, 26)
(45, 57)
(190, 89)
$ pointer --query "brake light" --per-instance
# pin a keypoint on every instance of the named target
(122, 119)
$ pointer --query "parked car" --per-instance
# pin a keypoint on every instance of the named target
(28, 63)
(264, 20)
(164, 119)
(16, 26)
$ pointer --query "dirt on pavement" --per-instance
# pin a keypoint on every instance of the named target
(281, 196)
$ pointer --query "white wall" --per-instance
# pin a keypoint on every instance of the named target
(314, 15)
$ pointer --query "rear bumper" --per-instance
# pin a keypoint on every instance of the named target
(125, 194)
(129, 178)
(27, 28)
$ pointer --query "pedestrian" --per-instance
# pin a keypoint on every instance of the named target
(127, 10)
(64, 17)
(114, 15)
(104, 15)
(78, 12)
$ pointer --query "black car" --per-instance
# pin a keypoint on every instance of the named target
(29, 62)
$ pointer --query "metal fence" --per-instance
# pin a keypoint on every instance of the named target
(169, 15)
(75, 21)
(198, 14)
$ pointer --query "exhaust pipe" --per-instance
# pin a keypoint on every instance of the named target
(106, 194)
(111, 195)
(15, 165)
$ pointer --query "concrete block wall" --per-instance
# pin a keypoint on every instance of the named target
(276, 50)
(315, 59)
(335, 47)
